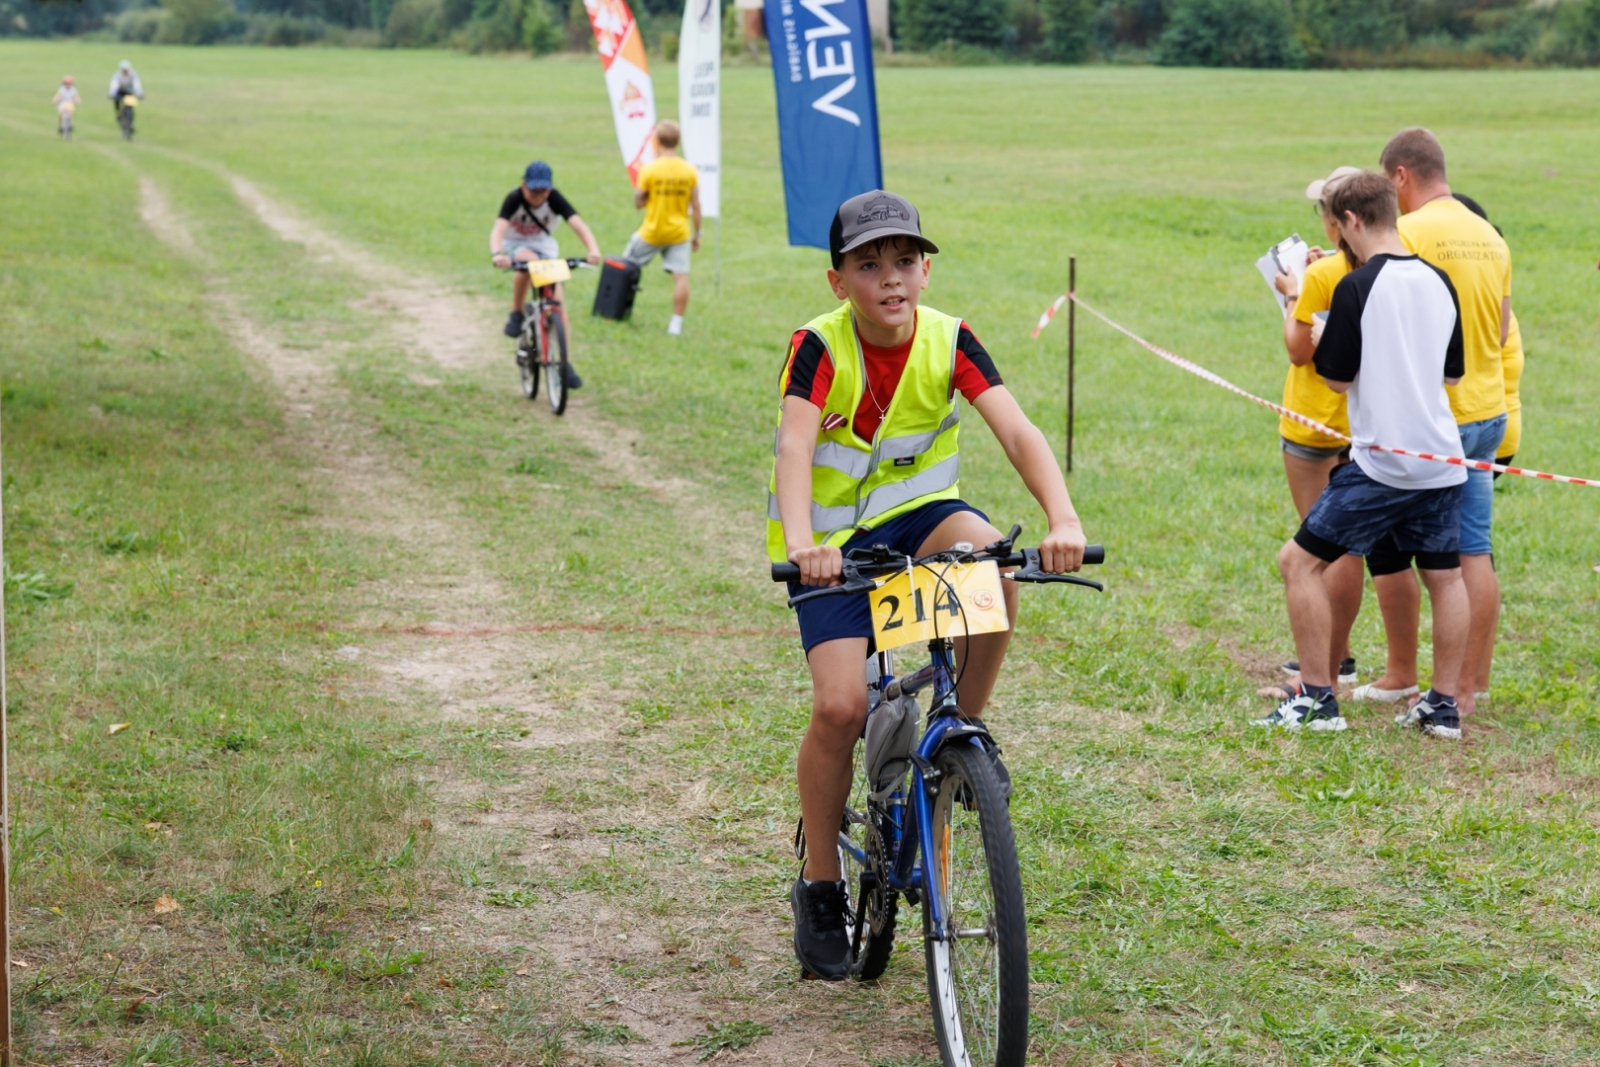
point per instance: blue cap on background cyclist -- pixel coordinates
(537, 176)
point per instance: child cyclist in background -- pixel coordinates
(66, 101)
(867, 454)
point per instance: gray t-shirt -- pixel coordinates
(1394, 329)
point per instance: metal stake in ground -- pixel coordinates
(1072, 348)
(5, 840)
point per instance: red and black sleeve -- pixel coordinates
(975, 371)
(809, 373)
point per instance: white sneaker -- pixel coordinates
(1387, 696)
(675, 326)
(1305, 712)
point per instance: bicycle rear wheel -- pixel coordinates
(977, 976)
(554, 355)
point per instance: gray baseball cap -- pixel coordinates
(874, 215)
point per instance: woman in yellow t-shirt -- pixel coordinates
(1309, 457)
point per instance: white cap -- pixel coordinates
(1316, 189)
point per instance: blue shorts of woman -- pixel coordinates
(830, 618)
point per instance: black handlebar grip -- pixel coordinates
(1094, 553)
(785, 572)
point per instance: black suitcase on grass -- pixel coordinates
(619, 281)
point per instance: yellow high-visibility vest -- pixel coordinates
(912, 459)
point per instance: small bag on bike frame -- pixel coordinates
(619, 281)
(891, 738)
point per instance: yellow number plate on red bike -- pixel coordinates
(942, 600)
(543, 272)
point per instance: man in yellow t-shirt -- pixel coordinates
(669, 192)
(1444, 232)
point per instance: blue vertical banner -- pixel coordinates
(827, 109)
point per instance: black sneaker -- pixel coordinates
(1305, 712)
(1347, 670)
(821, 935)
(1434, 720)
(514, 324)
(573, 381)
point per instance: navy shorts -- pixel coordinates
(1355, 514)
(831, 617)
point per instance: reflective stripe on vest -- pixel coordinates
(912, 460)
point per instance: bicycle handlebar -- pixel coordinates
(1027, 559)
(521, 265)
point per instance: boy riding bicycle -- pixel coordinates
(867, 454)
(525, 229)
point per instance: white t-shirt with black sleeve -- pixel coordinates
(1394, 329)
(532, 226)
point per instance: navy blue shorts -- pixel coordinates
(831, 617)
(1355, 514)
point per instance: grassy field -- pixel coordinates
(463, 735)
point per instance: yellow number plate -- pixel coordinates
(543, 272)
(946, 600)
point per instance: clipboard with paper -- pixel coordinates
(1288, 256)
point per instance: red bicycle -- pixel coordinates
(543, 343)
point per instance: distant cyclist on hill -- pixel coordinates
(125, 82)
(525, 229)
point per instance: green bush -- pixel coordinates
(929, 24)
(414, 24)
(1373, 26)
(199, 22)
(284, 31)
(1068, 29)
(1575, 36)
(140, 25)
(1230, 33)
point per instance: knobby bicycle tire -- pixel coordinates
(978, 983)
(554, 353)
(528, 346)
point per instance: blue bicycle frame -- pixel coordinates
(905, 872)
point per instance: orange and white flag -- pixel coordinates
(633, 99)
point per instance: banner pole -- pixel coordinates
(716, 270)
(5, 838)
(1072, 348)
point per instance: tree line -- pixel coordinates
(1218, 33)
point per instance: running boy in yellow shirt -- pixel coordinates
(877, 377)
(669, 192)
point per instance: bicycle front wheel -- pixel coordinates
(555, 363)
(977, 972)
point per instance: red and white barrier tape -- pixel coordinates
(1050, 313)
(1195, 369)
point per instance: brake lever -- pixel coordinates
(853, 583)
(1032, 572)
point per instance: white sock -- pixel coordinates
(675, 325)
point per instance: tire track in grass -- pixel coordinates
(577, 933)
(458, 332)
(464, 679)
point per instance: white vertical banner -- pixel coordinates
(700, 97)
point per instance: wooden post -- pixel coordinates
(1072, 348)
(5, 837)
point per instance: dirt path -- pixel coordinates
(642, 971)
